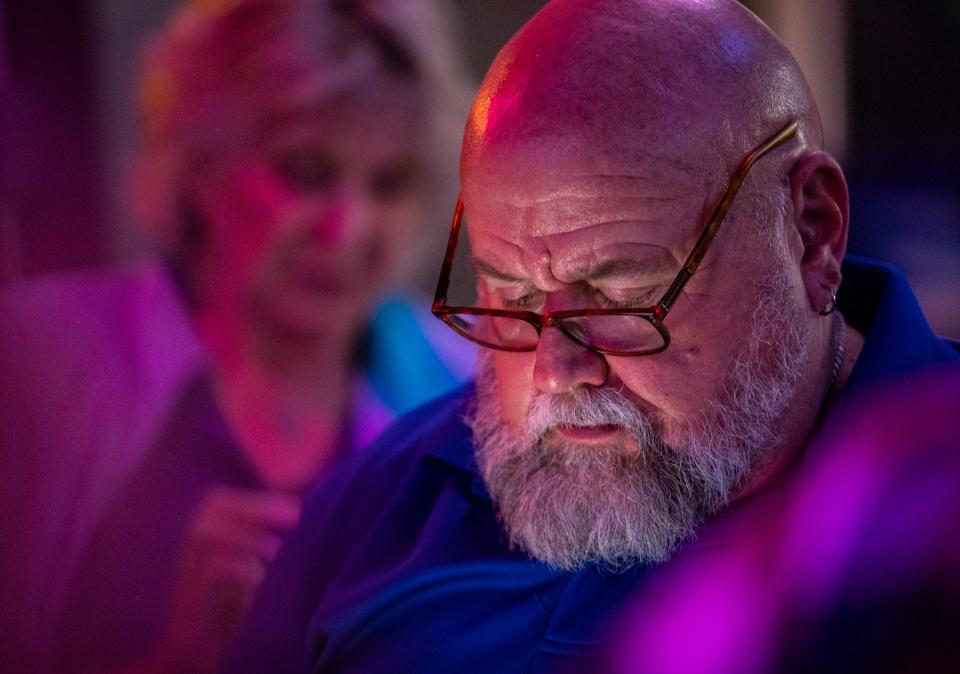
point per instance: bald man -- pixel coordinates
(657, 238)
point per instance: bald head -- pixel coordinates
(701, 80)
(595, 152)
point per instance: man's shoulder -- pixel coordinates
(436, 430)
(435, 434)
(877, 300)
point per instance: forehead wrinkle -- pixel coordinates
(515, 258)
(537, 175)
(664, 182)
(600, 235)
(624, 261)
(606, 218)
(527, 243)
(553, 191)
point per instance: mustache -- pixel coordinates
(588, 406)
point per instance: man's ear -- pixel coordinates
(821, 205)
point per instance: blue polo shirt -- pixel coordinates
(399, 564)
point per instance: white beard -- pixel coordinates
(568, 504)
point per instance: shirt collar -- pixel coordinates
(450, 443)
(877, 300)
(451, 440)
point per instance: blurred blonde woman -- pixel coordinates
(291, 150)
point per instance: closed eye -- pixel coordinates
(526, 302)
(635, 299)
(515, 295)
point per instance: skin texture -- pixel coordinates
(601, 137)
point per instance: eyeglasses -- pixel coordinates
(610, 331)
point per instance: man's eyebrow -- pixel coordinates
(623, 267)
(481, 268)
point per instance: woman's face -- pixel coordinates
(303, 226)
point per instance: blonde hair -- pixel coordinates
(220, 67)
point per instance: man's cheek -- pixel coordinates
(514, 375)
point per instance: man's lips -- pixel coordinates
(589, 433)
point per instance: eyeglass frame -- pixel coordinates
(655, 314)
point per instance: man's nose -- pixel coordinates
(562, 364)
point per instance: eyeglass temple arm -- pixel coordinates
(719, 213)
(443, 284)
